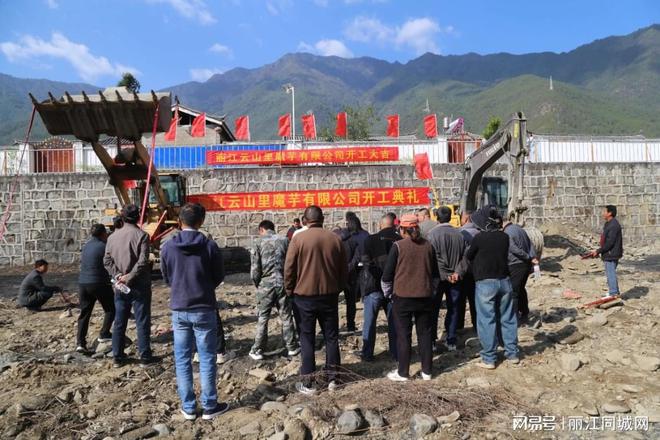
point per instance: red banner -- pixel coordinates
(299, 200)
(295, 157)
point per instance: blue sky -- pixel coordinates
(167, 42)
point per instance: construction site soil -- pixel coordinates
(576, 362)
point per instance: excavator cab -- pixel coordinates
(494, 191)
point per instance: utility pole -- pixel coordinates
(290, 90)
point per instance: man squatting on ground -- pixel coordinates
(267, 274)
(192, 266)
(33, 292)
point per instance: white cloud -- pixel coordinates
(88, 66)
(52, 4)
(327, 48)
(365, 30)
(276, 7)
(418, 34)
(192, 9)
(221, 49)
(202, 74)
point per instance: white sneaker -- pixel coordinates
(295, 352)
(257, 356)
(394, 376)
(226, 357)
(302, 389)
(102, 340)
(450, 347)
(188, 416)
(426, 376)
(332, 385)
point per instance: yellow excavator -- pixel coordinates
(125, 115)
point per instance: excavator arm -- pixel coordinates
(510, 141)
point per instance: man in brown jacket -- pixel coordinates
(315, 271)
(127, 261)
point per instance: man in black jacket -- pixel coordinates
(611, 248)
(376, 249)
(33, 292)
(94, 284)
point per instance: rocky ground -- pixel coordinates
(576, 363)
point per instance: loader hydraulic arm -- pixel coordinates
(509, 141)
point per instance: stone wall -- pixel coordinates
(52, 212)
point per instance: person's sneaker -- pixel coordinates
(609, 295)
(450, 347)
(362, 357)
(81, 349)
(118, 362)
(302, 389)
(188, 416)
(332, 385)
(147, 361)
(514, 361)
(196, 358)
(103, 340)
(256, 355)
(294, 352)
(426, 376)
(220, 408)
(225, 357)
(394, 376)
(486, 365)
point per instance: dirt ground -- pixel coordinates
(577, 363)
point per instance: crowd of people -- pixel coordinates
(405, 269)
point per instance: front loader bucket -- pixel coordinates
(112, 112)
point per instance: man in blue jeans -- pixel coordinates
(192, 266)
(375, 251)
(488, 257)
(449, 246)
(127, 261)
(611, 248)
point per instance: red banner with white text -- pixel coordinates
(296, 157)
(298, 200)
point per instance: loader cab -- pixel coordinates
(494, 191)
(174, 186)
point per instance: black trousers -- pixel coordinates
(89, 294)
(325, 310)
(468, 288)
(405, 311)
(37, 299)
(519, 275)
(352, 294)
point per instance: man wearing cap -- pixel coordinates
(127, 261)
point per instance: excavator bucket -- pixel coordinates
(113, 112)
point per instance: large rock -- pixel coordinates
(598, 320)
(647, 363)
(570, 362)
(261, 374)
(270, 407)
(296, 430)
(162, 429)
(251, 430)
(279, 436)
(615, 407)
(616, 357)
(103, 347)
(140, 433)
(449, 418)
(374, 419)
(421, 425)
(350, 422)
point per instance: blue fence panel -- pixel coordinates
(194, 156)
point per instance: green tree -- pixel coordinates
(360, 122)
(130, 82)
(492, 126)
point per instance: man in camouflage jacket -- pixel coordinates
(267, 273)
